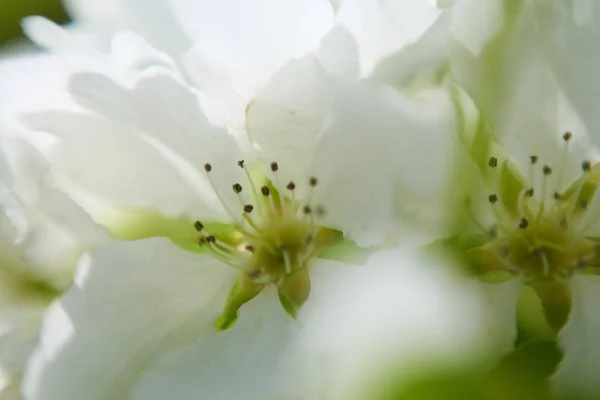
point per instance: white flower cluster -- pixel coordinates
(301, 199)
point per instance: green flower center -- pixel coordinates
(275, 237)
(543, 237)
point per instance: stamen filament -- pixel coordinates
(252, 187)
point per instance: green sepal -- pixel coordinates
(344, 250)
(242, 291)
(294, 291)
(556, 302)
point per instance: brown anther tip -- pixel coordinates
(240, 163)
(307, 210)
(313, 181)
(493, 198)
(211, 239)
(529, 192)
(493, 162)
(534, 159)
(274, 167)
(202, 241)
(567, 136)
(265, 191)
(547, 170)
(291, 186)
(557, 196)
(586, 166)
(207, 167)
(524, 223)
(237, 188)
(198, 225)
(249, 248)
(248, 208)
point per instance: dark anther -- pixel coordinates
(207, 167)
(274, 166)
(237, 188)
(586, 166)
(211, 239)
(493, 198)
(249, 248)
(494, 233)
(248, 208)
(202, 241)
(313, 181)
(307, 210)
(265, 191)
(241, 163)
(524, 223)
(567, 136)
(583, 204)
(556, 196)
(533, 159)
(198, 225)
(529, 192)
(493, 162)
(547, 170)
(291, 186)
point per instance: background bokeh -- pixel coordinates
(12, 11)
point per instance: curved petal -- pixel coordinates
(361, 139)
(102, 18)
(236, 51)
(141, 141)
(132, 302)
(572, 49)
(47, 230)
(521, 95)
(402, 311)
(253, 360)
(576, 373)
(382, 27)
(372, 159)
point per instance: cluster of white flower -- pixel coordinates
(298, 199)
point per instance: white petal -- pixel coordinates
(339, 53)
(576, 373)
(476, 23)
(364, 141)
(401, 309)
(373, 159)
(236, 50)
(522, 97)
(572, 50)
(104, 17)
(252, 360)
(131, 304)
(141, 146)
(384, 26)
(500, 323)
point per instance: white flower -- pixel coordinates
(325, 153)
(42, 234)
(531, 68)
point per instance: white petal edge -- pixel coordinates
(131, 303)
